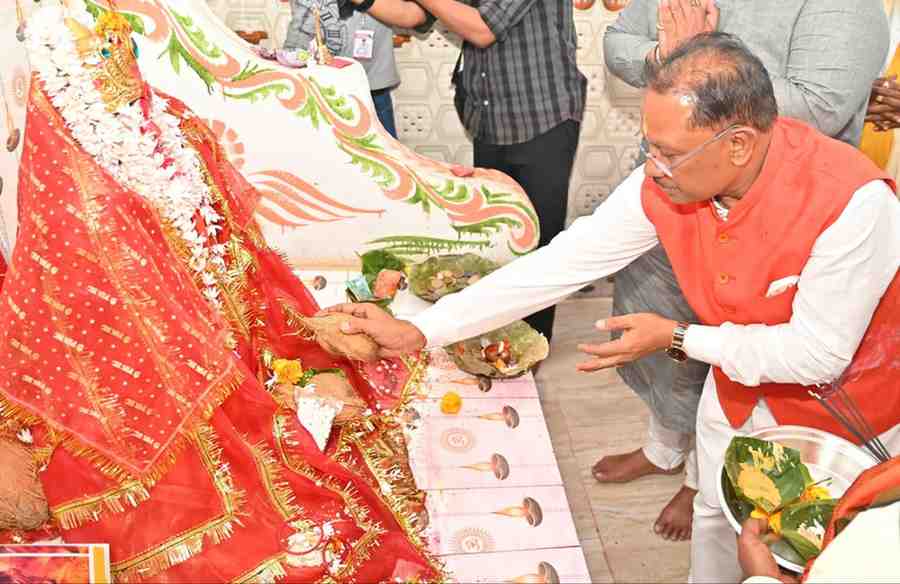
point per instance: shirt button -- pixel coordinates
(723, 238)
(483, 74)
(723, 278)
(486, 103)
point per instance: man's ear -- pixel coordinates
(742, 143)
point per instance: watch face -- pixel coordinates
(677, 355)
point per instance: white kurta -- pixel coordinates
(850, 267)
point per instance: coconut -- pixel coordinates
(336, 386)
(327, 332)
(22, 502)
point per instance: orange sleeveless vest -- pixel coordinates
(725, 268)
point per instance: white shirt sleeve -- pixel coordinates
(593, 247)
(851, 265)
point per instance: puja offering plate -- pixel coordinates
(829, 458)
(501, 354)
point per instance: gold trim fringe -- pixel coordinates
(190, 543)
(270, 472)
(169, 457)
(79, 512)
(270, 570)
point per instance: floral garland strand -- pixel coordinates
(148, 155)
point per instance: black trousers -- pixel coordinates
(543, 166)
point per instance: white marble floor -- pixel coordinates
(590, 415)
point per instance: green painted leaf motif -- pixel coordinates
(177, 53)
(197, 36)
(337, 104)
(492, 225)
(260, 93)
(367, 142)
(382, 175)
(310, 110)
(249, 70)
(508, 199)
(412, 246)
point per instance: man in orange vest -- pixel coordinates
(785, 242)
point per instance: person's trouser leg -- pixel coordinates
(543, 167)
(713, 543)
(666, 449)
(384, 109)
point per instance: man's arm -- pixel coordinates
(837, 49)
(851, 265)
(400, 13)
(591, 248)
(482, 26)
(628, 41)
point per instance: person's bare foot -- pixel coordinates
(622, 468)
(675, 520)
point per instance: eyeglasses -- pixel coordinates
(668, 168)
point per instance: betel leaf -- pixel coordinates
(803, 525)
(377, 260)
(765, 473)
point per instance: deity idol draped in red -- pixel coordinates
(141, 315)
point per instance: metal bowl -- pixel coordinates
(825, 455)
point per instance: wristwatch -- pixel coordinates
(676, 349)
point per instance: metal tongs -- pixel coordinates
(843, 408)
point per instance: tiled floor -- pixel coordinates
(590, 415)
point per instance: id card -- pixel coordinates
(363, 44)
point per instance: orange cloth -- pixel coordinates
(725, 268)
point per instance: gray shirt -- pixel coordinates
(822, 55)
(339, 33)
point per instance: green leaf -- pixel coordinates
(802, 519)
(376, 260)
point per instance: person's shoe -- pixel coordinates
(623, 468)
(677, 517)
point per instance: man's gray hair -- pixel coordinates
(724, 81)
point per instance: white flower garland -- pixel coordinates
(121, 143)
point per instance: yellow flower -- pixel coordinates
(773, 520)
(815, 493)
(287, 370)
(451, 403)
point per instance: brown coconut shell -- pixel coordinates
(23, 505)
(327, 332)
(336, 386)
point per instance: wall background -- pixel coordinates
(427, 122)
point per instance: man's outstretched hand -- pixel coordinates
(643, 334)
(394, 337)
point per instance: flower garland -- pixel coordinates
(147, 154)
